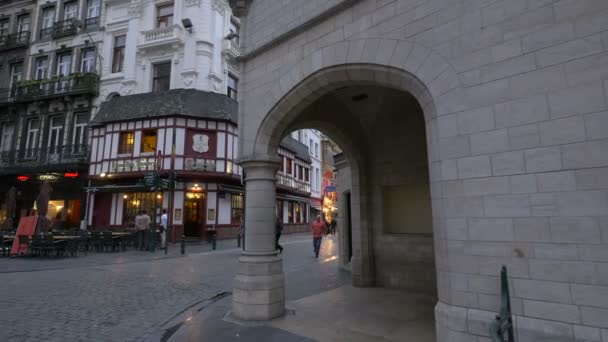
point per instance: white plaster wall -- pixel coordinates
(197, 58)
(211, 204)
(224, 210)
(178, 203)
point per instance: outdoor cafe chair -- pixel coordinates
(109, 241)
(84, 242)
(96, 241)
(54, 247)
(37, 247)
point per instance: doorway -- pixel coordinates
(194, 214)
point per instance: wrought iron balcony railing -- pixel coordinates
(292, 183)
(46, 33)
(231, 48)
(15, 40)
(91, 23)
(74, 84)
(42, 157)
(5, 96)
(64, 28)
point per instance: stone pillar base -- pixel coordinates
(259, 288)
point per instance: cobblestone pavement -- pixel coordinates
(130, 296)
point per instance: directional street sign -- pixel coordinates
(164, 183)
(150, 179)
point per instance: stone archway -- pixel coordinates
(408, 68)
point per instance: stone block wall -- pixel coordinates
(517, 142)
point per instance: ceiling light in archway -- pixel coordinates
(360, 97)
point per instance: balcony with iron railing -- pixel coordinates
(64, 28)
(231, 48)
(161, 36)
(45, 33)
(5, 96)
(15, 40)
(68, 155)
(91, 24)
(73, 84)
(292, 183)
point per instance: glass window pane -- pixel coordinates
(148, 141)
(120, 41)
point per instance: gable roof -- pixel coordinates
(187, 102)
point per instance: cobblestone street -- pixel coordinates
(129, 296)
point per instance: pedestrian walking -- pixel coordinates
(318, 228)
(164, 224)
(278, 231)
(332, 226)
(142, 225)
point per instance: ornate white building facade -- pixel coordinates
(161, 45)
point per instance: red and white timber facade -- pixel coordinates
(197, 150)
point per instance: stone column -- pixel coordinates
(259, 287)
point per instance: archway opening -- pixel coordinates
(385, 225)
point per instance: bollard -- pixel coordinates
(183, 245)
(152, 242)
(238, 241)
(213, 240)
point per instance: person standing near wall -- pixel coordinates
(332, 226)
(142, 223)
(278, 232)
(164, 223)
(318, 228)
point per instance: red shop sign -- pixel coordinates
(23, 178)
(70, 175)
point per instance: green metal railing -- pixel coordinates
(73, 84)
(502, 327)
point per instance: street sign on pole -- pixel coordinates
(150, 179)
(164, 184)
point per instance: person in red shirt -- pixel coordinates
(318, 228)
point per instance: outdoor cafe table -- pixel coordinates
(65, 237)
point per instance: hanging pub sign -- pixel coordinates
(201, 144)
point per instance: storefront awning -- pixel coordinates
(232, 189)
(294, 198)
(117, 188)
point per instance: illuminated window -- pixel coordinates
(137, 201)
(279, 212)
(237, 208)
(126, 142)
(290, 212)
(288, 168)
(298, 212)
(148, 141)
